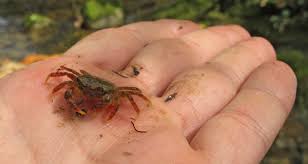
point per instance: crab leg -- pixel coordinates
(68, 96)
(85, 72)
(61, 85)
(141, 96)
(115, 107)
(62, 67)
(113, 112)
(58, 74)
(132, 101)
(129, 89)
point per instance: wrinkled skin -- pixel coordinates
(232, 98)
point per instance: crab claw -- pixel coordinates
(81, 112)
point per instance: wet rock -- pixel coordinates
(3, 22)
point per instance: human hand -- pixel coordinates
(227, 97)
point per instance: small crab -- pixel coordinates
(83, 86)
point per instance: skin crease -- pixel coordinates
(232, 98)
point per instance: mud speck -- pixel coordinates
(126, 153)
(136, 70)
(171, 97)
(60, 125)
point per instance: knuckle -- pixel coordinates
(259, 48)
(175, 22)
(170, 49)
(288, 71)
(217, 31)
(226, 71)
(247, 124)
(172, 44)
(137, 25)
(240, 30)
(135, 35)
(284, 79)
(99, 34)
(265, 45)
(175, 28)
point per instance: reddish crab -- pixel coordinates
(84, 86)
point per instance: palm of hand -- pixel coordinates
(53, 137)
(225, 111)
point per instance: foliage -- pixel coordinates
(299, 63)
(99, 14)
(37, 21)
(276, 14)
(94, 9)
(184, 9)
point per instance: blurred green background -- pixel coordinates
(52, 26)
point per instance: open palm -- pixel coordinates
(218, 96)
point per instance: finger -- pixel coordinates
(203, 91)
(246, 128)
(157, 64)
(112, 48)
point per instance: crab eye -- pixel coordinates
(107, 98)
